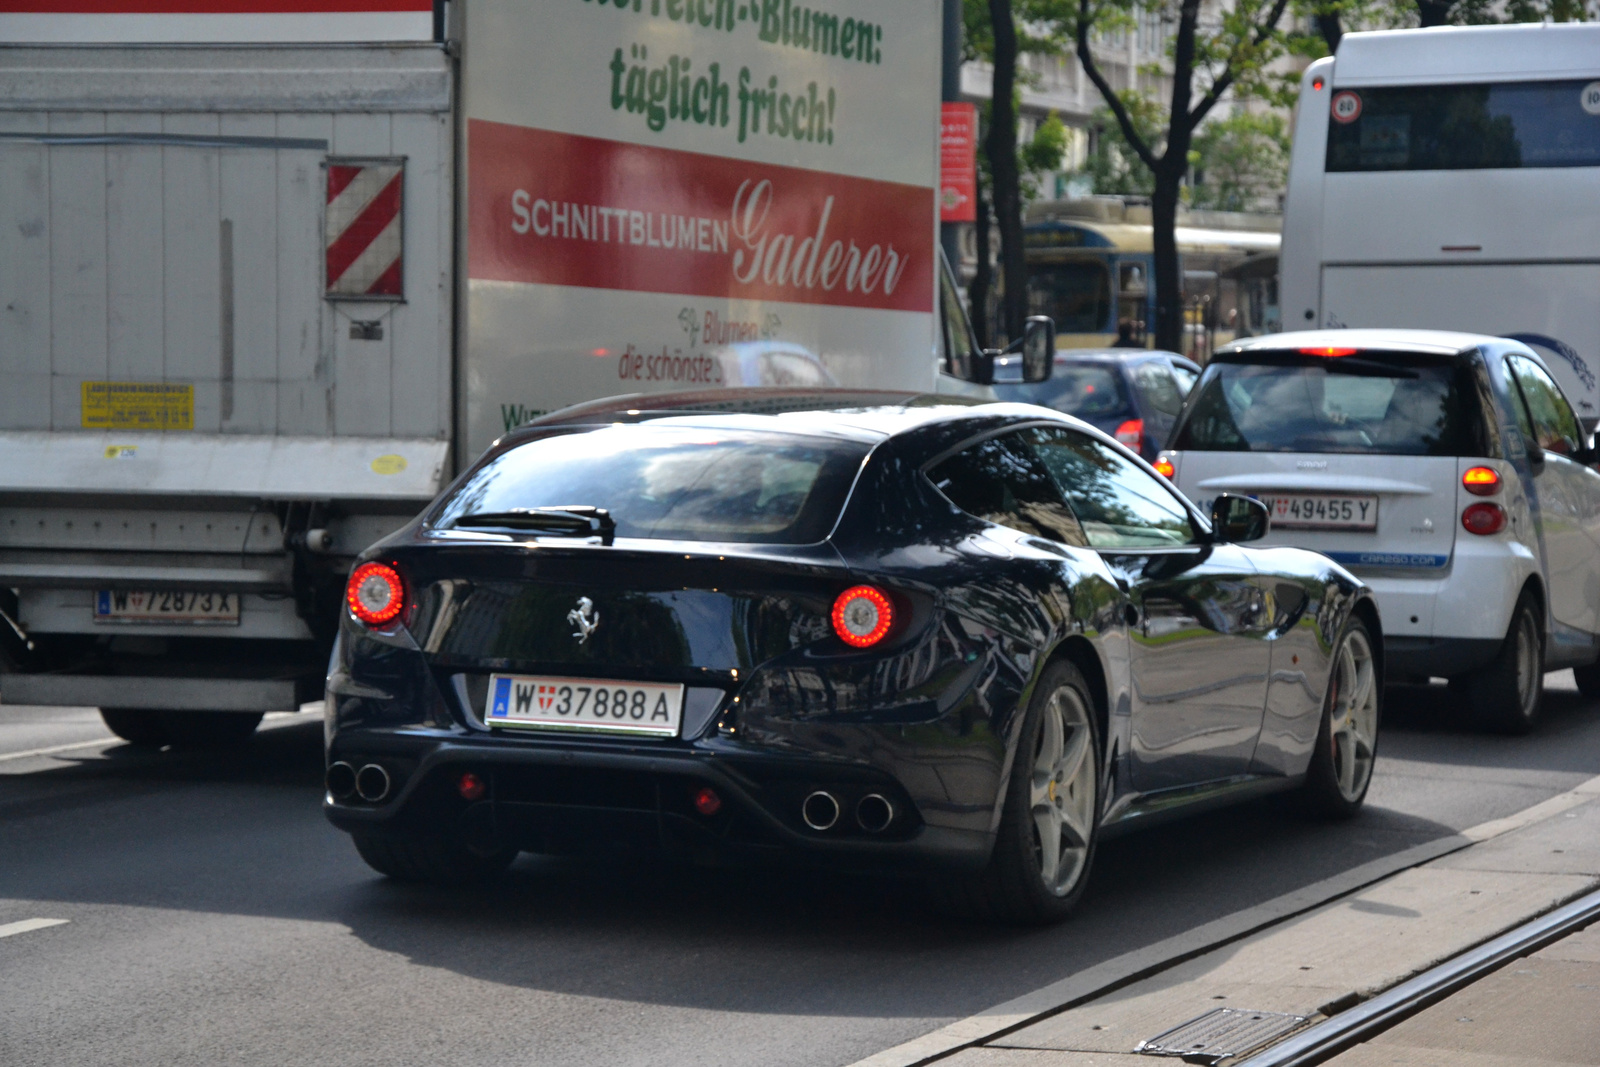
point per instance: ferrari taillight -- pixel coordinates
(375, 594)
(862, 616)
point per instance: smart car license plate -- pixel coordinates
(166, 606)
(1321, 511)
(541, 702)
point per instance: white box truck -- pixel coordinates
(1445, 179)
(268, 279)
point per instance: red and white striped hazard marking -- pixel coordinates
(364, 236)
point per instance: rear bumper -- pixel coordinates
(546, 796)
(1436, 657)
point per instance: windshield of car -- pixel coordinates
(675, 483)
(1089, 391)
(1373, 402)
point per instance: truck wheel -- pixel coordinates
(136, 726)
(1588, 679)
(209, 729)
(430, 859)
(1045, 843)
(1506, 695)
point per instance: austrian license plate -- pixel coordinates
(540, 702)
(1320, 511)
(166, 606)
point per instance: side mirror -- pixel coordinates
(1237, 519)
(1038, 346)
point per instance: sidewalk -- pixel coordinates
(1541, 1010)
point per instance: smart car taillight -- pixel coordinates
(1481, 481)
(1165, 468)
(1483, 519)
(1329, 351)
(1131, 433)
(376, 594)
(862, 616)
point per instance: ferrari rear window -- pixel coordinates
(676, 483)
(1367, 402)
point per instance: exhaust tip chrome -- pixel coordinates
(340, 780)
(372, 783)
(874, 813)
(820, 810)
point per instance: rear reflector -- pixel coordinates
(1481, 481)
(375, 593)
(862, 616)
(471, 787)
(1483, 519)
(706, 801)
(1131, 433)
(1329, 351)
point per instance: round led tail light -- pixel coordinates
(1481, 481)
(862, 616)
(1165, 468)
(1483, 519)
(471, 786)
(706, 801)
(375, 594)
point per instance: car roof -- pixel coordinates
(1435, 342)
(868, 416)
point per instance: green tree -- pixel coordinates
(1229, 54)
(1239, 163)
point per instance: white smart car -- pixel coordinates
(1445, 469)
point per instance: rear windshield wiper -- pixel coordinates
(567, 520)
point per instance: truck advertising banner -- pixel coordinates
(696, 194)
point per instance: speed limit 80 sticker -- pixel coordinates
(1346, 106)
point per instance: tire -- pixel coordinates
(432, 860)
(136, 726)
(1053, 793)
(1506, 697)
(1588, 679)
(209, 729)
(1342, 760)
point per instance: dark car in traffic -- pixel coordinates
(1132, 394)
(889, 632)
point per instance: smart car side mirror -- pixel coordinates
(1236, 519)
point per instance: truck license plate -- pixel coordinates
(542, 702)
(1320, 511)
(166, 606)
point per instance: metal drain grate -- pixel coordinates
(1220, 1033)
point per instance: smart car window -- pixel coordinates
(1001, 481)
(1118, 503)
(1379, 403)
(677, 483)
(1555, 426)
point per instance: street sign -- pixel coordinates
(958, 163)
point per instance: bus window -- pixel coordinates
(1465, 127)
(1076, 295)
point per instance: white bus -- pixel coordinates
(1450, 179)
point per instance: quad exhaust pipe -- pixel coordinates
(371, 783)
(820, 810)
(874, 813)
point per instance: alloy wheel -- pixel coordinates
(1064, 790)
(1353, 715)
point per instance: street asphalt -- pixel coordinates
(215, 917)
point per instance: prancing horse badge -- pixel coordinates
(585, 618)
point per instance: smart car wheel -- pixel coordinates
(1506, 695)
(137, 726)
(1046, 840)
(427, 858)
(1347, 743)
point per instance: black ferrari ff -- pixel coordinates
(861, 630)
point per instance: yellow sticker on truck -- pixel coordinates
(138, 406)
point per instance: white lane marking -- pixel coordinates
(53, 749)
(29, 925)
(1119, 971)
